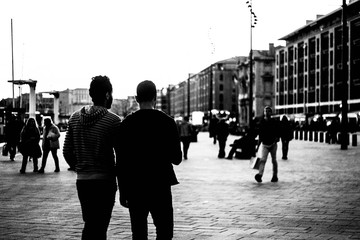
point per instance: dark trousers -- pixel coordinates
(186, 144)
(285, 148)
(12, 149)
(222, 144)
(97, 198)
(45, 156)
(25, 160)
(159, 204)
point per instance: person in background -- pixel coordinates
(89, 146)
(50, 142)
(268, 138)
(29, 144)
(145, 169)
(185, 131)
(12, 135)
(222, 133)
(212, 127)
(247, 144)
(286, 135)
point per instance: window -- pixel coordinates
(331, 58)
(331, 75)
(221, 78)
(317, 45)
(331, 39)
(221, 87)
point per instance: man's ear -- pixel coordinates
(107, 95)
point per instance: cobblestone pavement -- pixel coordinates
(317, 197)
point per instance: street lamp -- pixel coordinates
(344, 109)
(253, 22)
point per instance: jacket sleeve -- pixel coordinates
(68, 149)
(175, 145)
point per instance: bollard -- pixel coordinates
(305, 135)
(301, 135)
(322, 136)
(316, 136)
(327, 137)
(354, 140)
(296, 134)
(310, 135)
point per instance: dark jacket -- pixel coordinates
(150, 142)
(222, 130)
(269, 131)
(286, 130)
(29, 142)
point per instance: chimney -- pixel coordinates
(319, 16)
(271, 49)
(308, 21)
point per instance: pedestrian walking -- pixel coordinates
(29, 144)
(89, 147)
(12, 135)
(212, 127)
(145, 169)
(286, 135)
(268, 138)
(222, 133)
(185, 131)
(50, 143)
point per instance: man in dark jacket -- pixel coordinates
(269, 135)
(151, 146)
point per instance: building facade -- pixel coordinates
(212, 88)
(263, 84)
(309, 68)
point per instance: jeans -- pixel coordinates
(97, 198)
(266, 149)
(45, 156)
(157, 202)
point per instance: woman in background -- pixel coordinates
(29, 144)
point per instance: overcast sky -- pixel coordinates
(62, 44)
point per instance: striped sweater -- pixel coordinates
(90, 143)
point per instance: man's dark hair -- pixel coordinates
(99, 86)
(146, 91)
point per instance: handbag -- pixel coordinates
(5, 150)
(255, 162)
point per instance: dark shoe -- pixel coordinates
(35, 170)
(41, 170)
(284, 158)
(274, 179)
(22, 171)
(258, 177)
(57, 170)
(229, 158)
(71, 169)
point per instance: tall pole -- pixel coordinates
(188, 96)
(12, 65)
(344, 109)
(253, 21)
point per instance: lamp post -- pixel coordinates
(253, 21)
(344, 109)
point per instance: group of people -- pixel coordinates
(135, 155)
(27, 138)
(269, 130)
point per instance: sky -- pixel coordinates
(63, 44)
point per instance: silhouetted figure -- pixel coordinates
(286, 134)
(51, 143)
(29, 144)
(185, 132)
(247, 144)
(222, 132)
(151, 146)
(212, 127)
(333, 130)
(89, 147)
(12, 135)
(268, 138)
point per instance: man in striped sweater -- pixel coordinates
(89, 149)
